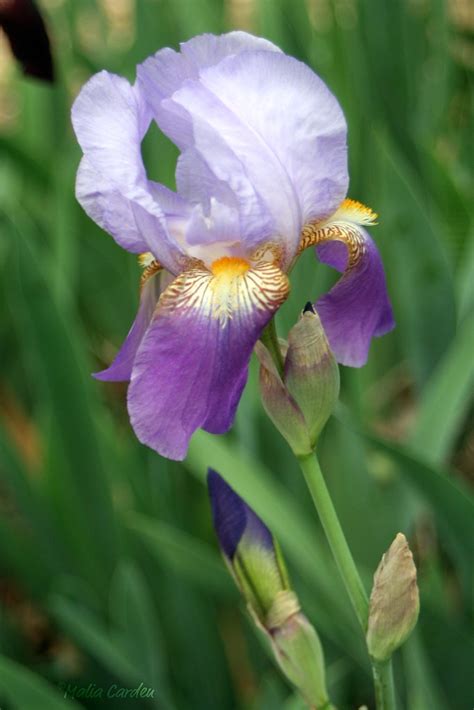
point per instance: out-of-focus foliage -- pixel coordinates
(109, 570)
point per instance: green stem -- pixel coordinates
(384, 687)
(337, 541)
(269, 338)
(382, 672)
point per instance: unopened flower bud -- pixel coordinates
(255, 561)
(311, 372)
(301, 400)
(280, 406)
(394, 602)
(249, 549)
(299, 653)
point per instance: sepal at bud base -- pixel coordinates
(300, 401)
(394, 601)
(299, 653)
(255, 561)
(281, 406)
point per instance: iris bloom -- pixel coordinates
(262, 175)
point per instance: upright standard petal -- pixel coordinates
(295, 114)
(164, 73)
(228, 184)
(110, 118)
(284, 127)
(192, 364)
(207, 50)
(357, 308)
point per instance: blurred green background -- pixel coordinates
(109, 569)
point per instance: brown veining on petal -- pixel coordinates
(343, 226)
(227, 291)
(315, 234)
(151, 268)
(270, 251)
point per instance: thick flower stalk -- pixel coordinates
(255, 561)
(262, 175)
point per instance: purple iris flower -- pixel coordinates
(262, 175)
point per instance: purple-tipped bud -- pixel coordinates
(301, 400)
(233, 517)
(249, 548)
(256, 563)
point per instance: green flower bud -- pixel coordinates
(281, 406)
(299, 654)
(261, 575)
(300, 402)
(311, 372)
(394, 602)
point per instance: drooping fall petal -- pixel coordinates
(121, 368)
(357, 308)
(192, 363)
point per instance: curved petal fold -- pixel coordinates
(206, 50)
(106, 205)
(292, 111)
(110, 118)
(191, 366)
(357, 308)
(163, 73)
(279, 121)
(228, 184)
